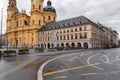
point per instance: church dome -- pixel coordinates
(49, 7)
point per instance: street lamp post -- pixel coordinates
(1, 24)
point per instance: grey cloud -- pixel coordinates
(105, 11)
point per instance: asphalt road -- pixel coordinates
(87, 65)
(21, 67)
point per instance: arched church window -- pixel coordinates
(25, 22)
(17, 23)
(33, 22)
(33, 6)
(39, 22)
(39, 7)
(43, 18)
(49, 17)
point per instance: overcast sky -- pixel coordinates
(106, 12)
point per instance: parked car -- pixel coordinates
(9, 53)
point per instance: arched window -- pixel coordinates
(39, 22)
(17, 23)
(25, 22)
(43, 18)
(85, 45)
(33, 6)
(49, 17)
(33, 22)
(39, 7)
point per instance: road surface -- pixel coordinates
(87, 65)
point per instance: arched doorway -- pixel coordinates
(52, 45)
(67, 45)
(38, 45)
(41, 45)
(48, 45)
(85, 45)
(62, 45)
(79, 45)
(73, 45)
(44, 45)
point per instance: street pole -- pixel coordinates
(1, 23)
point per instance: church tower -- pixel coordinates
(49, 13)
(12, 8)
(36, 12)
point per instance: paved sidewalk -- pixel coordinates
(58, 52)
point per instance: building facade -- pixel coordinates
(22, 30)
(41, 29)
(79, 32)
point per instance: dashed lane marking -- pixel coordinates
(69, 69)
(73, 58)
(60, 77)
(89, 74)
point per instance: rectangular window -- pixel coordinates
(60, 37)
(68, 37)
(57, 37)
(80, 35)
(71, 36)
(85, 28)
(76, 37)
(64, 37)
(80, 28)
(85, 35)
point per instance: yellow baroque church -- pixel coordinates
(22, 29)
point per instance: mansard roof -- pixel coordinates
(66, 23)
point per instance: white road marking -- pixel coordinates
(40, 75)
(82, 54)
(108, 60)
(88, 61)
(73, 58)
(117, 59)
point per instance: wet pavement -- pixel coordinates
(87, 65)
(21, 67)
